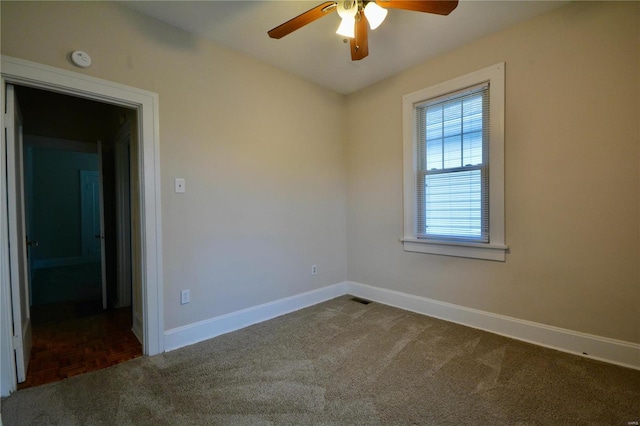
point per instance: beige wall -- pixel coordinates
(262, 152)
(268, 177)
(572, 181)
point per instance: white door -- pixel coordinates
(18, 269)
(28, 211)
(92, 221)
(123, 216)
(90, 215)
(103, 253)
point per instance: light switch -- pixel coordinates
(180, 186)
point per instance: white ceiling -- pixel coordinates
(317, 54)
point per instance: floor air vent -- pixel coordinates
(359, 300)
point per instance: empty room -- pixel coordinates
(353, 212)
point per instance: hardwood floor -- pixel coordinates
(68, 339)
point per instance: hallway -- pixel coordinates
(60, 284)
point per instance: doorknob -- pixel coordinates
(98, 236)
(32, 243)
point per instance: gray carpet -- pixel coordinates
(342, 362)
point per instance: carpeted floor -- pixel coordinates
(342, 362)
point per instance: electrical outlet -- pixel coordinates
(314, 269)
(185, 297)
(180, 186)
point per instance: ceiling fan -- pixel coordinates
(356, 14)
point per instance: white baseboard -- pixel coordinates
(193, 333)
(613, 351)
(137, 327)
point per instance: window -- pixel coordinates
(454, 167)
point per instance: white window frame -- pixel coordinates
(495, 249)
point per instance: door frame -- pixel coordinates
(26, 73)
(17, 241)
(123, 216)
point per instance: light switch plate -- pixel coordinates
(180, 186)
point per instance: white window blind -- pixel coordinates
(453, 166)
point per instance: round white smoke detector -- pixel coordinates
(81, 59)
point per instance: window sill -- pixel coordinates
(495, 252)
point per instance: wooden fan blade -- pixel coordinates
(360, 43)
(302, 19)
(439, 7)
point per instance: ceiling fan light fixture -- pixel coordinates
(347, 10)
(347, 27)
(354, 16)
(375, 14)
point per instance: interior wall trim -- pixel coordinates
(199, 331)
(619, 352)
(137, 328)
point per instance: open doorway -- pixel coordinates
(15, 324)
(77, 207)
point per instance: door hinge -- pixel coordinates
(17, 342)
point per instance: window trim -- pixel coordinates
(495, 249)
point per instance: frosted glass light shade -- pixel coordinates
(347, 27)
(375, 14)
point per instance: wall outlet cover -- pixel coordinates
(180, 186)
(185, 297)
